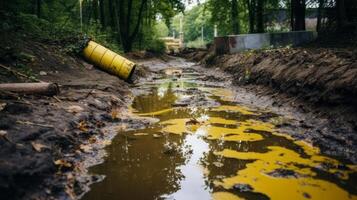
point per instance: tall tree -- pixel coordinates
(298, 8)
(260, 19)
(102, 13)
(38, 8)
(129, 26)
(319, 14)
(235, 17)
(251, 12)
(341, 13)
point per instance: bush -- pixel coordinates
(156, 46)
(197, 44)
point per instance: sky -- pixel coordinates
(192, 3)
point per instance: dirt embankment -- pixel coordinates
(43, 140)
(316, 82)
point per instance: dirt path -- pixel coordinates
(213, 140)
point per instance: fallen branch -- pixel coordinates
(34, 124)
(49, 89)
(19, 73)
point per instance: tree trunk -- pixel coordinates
(102, 13)
(260, 20)
(112, 13)
(298, 15)
(129, 28)
(251, 10)
(235, 17)
(95, 9)
(319, 15)
(341, 13)
(38, 8)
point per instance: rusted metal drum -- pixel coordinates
(109, 60)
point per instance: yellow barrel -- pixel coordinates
(109, 60)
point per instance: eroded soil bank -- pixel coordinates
(210, 140)
(320, 83)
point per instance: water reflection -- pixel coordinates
(219, 150)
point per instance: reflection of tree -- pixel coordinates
(143, 171)
(155, 101)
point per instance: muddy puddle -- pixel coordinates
(206, 146)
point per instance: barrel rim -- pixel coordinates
(131, 73)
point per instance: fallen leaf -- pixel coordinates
(2, 106)
(63, 163)
(74, 109)
(38, 146)
(70, 193)
(3, 133)
(92, 140)
(106, 142)
(141, 134)
(82, 126)
(85, 148)
(114, 113)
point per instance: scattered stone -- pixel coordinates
(286, 173)
(74, 109)
(218, 164)
(43, 73)
(156, 136)
(243, 187)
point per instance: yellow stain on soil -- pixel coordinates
(225, 196)
(301, 183)
(243, 132)
(241, 109)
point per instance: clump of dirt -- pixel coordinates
(43, 139)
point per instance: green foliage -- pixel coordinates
(161, 29)
(198, 43)
(155, 45)
(193, 21)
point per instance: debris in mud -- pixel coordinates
(243, 187)
(157, 136)
(38, 146)
(141, 134)
(170, 148)
(284, 173)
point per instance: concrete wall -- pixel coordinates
(237, 43)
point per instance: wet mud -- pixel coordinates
(206, 144)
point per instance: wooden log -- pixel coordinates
(48, 89)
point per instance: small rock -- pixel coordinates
(306, 195)
(243, 187)
(74, 109)
(156, 136)
(218, 164)
(43, 73)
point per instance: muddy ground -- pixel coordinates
(318, 85)
(44, 139)
(47, 143)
